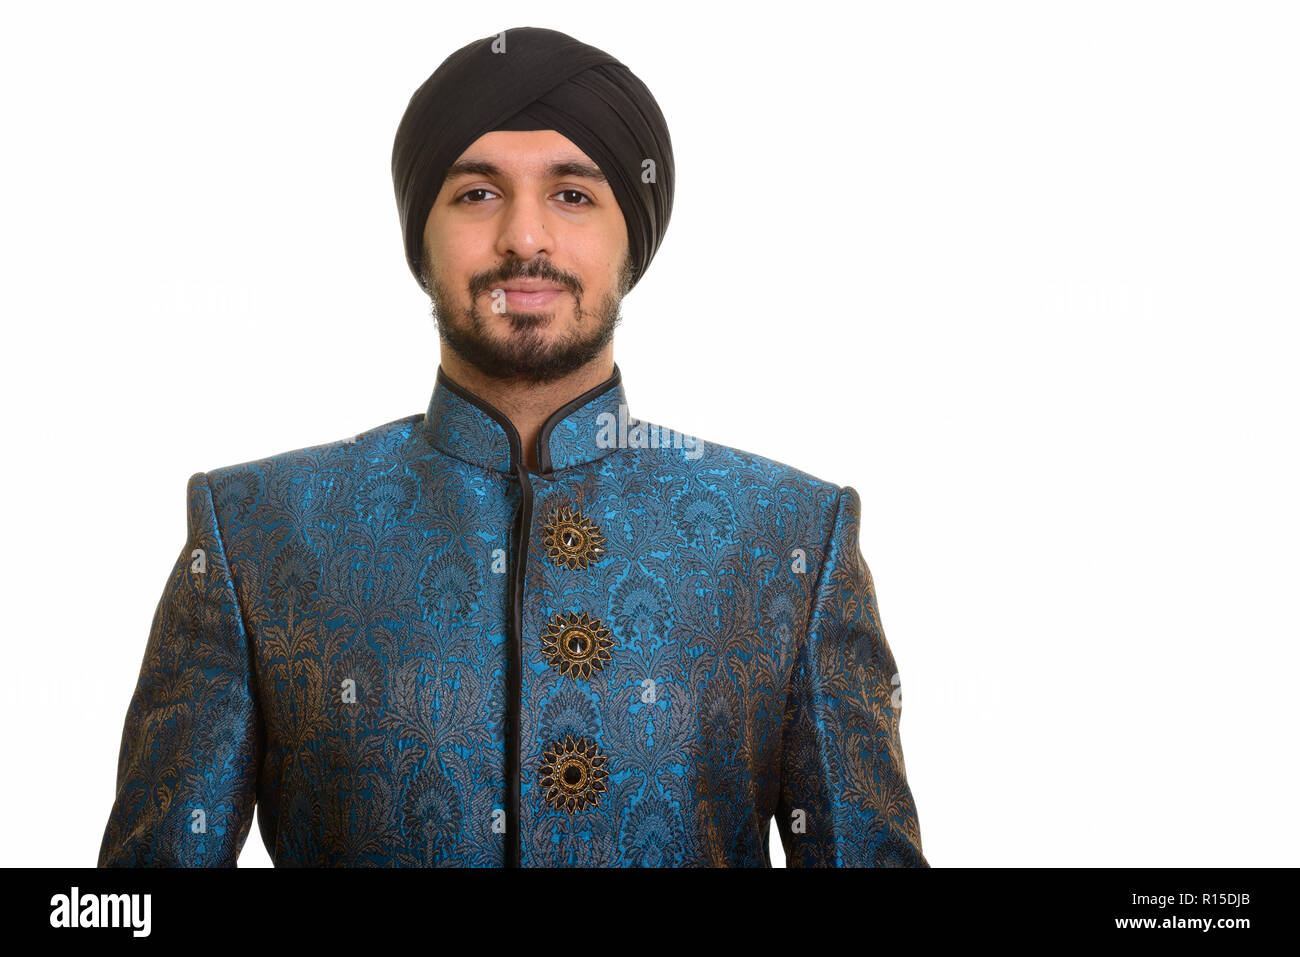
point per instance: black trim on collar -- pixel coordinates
(503, 420)
(560, 414)
(544, 465)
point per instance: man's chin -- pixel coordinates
(522, 346)
(514, 320)
(522, 357)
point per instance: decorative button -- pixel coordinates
(577, 644)
(571, 540)
(573, 774)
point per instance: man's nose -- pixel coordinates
(525, 230)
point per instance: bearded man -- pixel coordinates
(522, 628)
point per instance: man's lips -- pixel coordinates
(525, 295)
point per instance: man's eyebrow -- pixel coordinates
(572, 168)
(472, 167)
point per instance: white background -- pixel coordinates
(1023, 274)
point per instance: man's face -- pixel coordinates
(526, 256)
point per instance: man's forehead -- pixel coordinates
(502, 155)
(523, 152)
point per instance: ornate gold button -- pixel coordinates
(571, 540)
(577, 644)
(573, 774)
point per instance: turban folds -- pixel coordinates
(542, 80)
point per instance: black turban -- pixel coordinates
(544, 80)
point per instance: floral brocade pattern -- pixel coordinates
(332, 648)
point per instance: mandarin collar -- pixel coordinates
(469, 428)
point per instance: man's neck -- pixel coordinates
(528, 405)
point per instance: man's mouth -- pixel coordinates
(522, 294)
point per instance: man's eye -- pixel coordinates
(570, 197)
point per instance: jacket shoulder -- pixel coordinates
(755, 500)
(755, 490)
(379, 440)
(705, 458)
(237, 488)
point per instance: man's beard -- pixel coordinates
(526, 356)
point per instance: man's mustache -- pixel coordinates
(486, 281)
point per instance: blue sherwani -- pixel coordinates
(407, 649)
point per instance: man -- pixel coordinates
(523, 628)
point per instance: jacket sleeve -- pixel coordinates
(845, 800)
(191, 745)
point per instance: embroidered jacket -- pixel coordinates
(409, 650)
